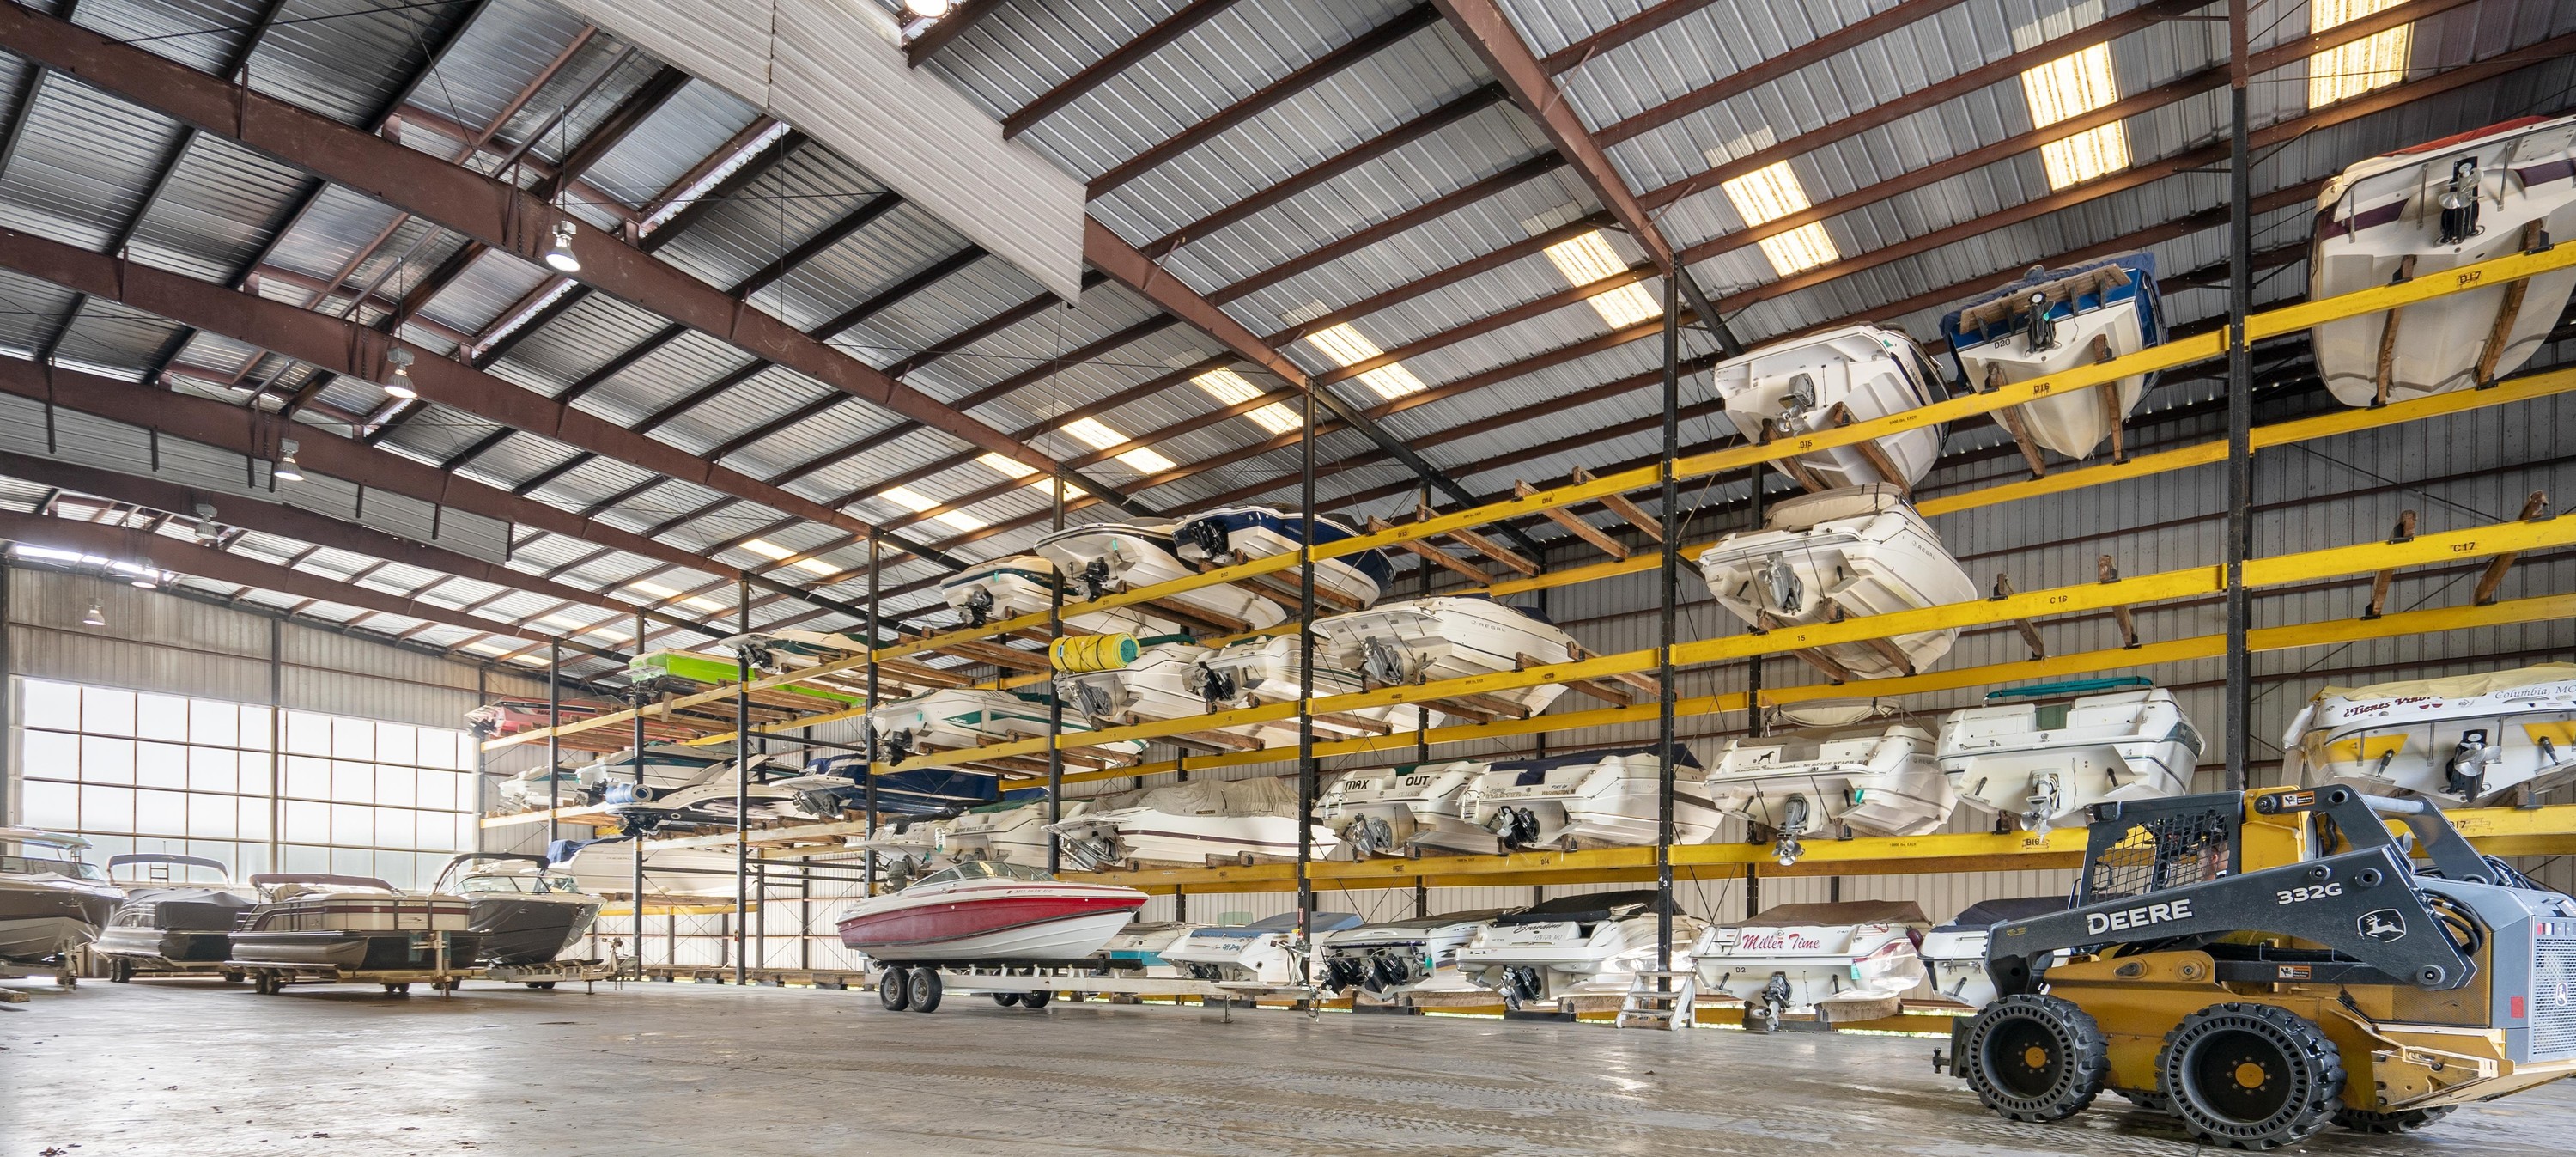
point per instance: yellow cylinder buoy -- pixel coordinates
(1083, 653)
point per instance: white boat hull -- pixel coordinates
(1444, 637)
(1955, 960)
(1548, 962)
(1263, 671)
(1871, 564)
(2119, 746)
(1105, 840)
(1795, 967)
(1792, 386)
(2465, 741)
(1333, 576)
(1603, 801)
(1877, 782)
(2381, 212)
(1011, 835)
(1107, 558)
(1383, 811)
(952, 718)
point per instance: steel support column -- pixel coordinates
(867, 727)
(1306, 699)
(636, 738)
(744, 751)
(2240, 404)
(1055, 703)
(554, 741)
(1667, 621)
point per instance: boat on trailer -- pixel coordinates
(1841, 554)
(1024, 584)
(170, 923)
(2459, 741)
(1263, 952)
(1194, 824)
(1591, 799)
(2054, 320)
(1238, 534)
(1871, 775)
(1397, 958)
(1955, 953)
(52, 903)
(1382, 811)
(1587, 945)
(1446, 637)
(319, 921)
(2420, 212)
(524, 910)
(1838, 377)
(1105, 558)
(2039, 755)
(988, 912)
(952, 718)
(1254, 672)
(1137, 949)
(1852, 960)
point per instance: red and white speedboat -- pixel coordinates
(989, 912)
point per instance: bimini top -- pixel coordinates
(1283, 922)
(1988, 913)
(1585, 909)
(2072, 687)
(1833, 915)
(1534, 771)
(42, 838)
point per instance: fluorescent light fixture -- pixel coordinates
(1770, 193)
(2071, 86)
(2349, 70)
(776, 553)
(919, 503)
(927, 9)
(559, 255)
(1588, 259)
(1349, 347)
(1233, 389)
(1100, 435)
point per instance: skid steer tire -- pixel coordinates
(2251, 1076)
(2035, 1058)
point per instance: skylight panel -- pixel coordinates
(1349, 347)
(2349, 70)
(1769, 193)
(1587, 259)
(1232, 389)
(1101, 435)
(2069, 87)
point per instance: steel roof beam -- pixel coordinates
(1305, 76)
(1093, 75)
(1653, 18)
(1431, 210)
(946, 28)
(494, 212)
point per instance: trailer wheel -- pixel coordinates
(894, 990)
(1035, 999)
(398, 989)
(1007, 999)
(2036, 1058)
(263, 984)
(541, 985)
(923, 987)
(2401, 1121)
(232, 978)
(2251, 1076)
(120, 970)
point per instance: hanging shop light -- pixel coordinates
(285, 468)
(559, 255)
(927, 9)
(94, 618)
(399, 385)
(208, 533)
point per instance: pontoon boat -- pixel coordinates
(2054, 320)
(307, 920)
(2459, 741)
(1847, 553)
(1856, 956)
(169, 922)
(2420, 212)
(2043, 753)
(988, 912)
(1809, 384)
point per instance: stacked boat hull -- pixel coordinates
(1835, 378)
(1843, 553)
(2462, 741)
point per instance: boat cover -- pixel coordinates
(1584, 909)
(1988, 913)
(1828, 915)
(2459, 686)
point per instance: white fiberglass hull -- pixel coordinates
(1792, 386)
(1262, 959)
(1070, 938)
(952, 718)
(1383, 811)
(1105, 558)
(1955, 960)
(1547, 962)
(1576, 802)
(1023, 585)
(1155, 686)
(1796, 968)
(2464, 741)
(1336, 580)
(1444, 637)
(1877, 783)
(1105, 840)
(1011, 835)
(1389, 962)
(1870, 565)
(1254, 672)
(2120, 746)
(2387, 211)
(2107, 309)
(609, 869)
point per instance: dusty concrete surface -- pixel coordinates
(183, 1067)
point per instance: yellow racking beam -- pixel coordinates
(2171, 354)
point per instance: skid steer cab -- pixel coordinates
(2265, 964)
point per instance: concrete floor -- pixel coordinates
(653, 1070)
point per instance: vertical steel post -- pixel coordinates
(1668, 581)
(636, 737)
(1422, 719)
(1055, 703)
(1306, 693)
(867, 727)
(8, 699)
(742, 756)
(1753, 665)
(554, 742)
(276, 745)
(2240, 405)
(482, 758)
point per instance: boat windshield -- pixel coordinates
(31, 866)
(522, 883)
(983, 870)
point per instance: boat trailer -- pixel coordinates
(920, 987)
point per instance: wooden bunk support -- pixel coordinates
(2405, 532)
(1477, 542)
(2388, 338)
(1884, 648)
(2113, 414)
(2029, 630)
(2128, 621)
(1840, 416)
(1433, 554)
(2534, 239)
(2010, 416)
(1617, 504)
(2534, 509)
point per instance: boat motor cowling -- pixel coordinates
(1095, 578)
(628, 793)
(2459, 200)
(1515, 827)
(2465, 773)
(979, 606)
(1215, 688)
(1386, 661)
(1210, 537)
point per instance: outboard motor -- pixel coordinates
(1089, 853)
(2459, 201)
(1095, 578)
(2042, 330)
(897, 746)
(629, 793)
(1387, 970)
(1384, 661)
(1801, 396)
(1342, 972)
(1793, 823)
(1774, 998)
(1516, 827)
(1209, 535)
(1093, 700)
(979, 607)
(2465, 773)
(1369, 836)
(1780, 584)
(757, 656)
(1520, 984)
(1216, 688)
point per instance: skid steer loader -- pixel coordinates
(2261, 965)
